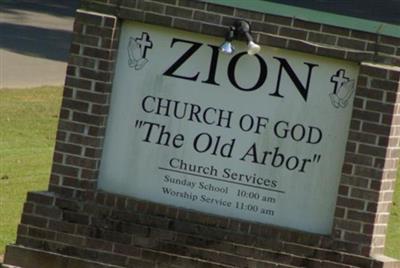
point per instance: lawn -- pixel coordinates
(28, 120)
(393, 234)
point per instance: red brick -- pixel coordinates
(355, 124)
(89, 119)
(41, 233)
(78, 83)
(371, 93)
(351, 43)
(78, 27)
(60, 136)
(98, 31)
(71, 182)
(97, 131)
(355, 181)
(65, 114)
(85, 40)
(62, 226)
(362, 137)
(92, 153)
(372, 150)
(368, 172)
(75, 105)
(263, 27)
(294, 33)
(347, 225)
(358, 159)
(34, 220)
(100, 110)
(380, 48)
(363, 35)
(40, 198)
(74, 217)
(70, 239)
(103, 87)
(220, 9)
(152, 7)
(273, 41)
(340, 212)
(394, 75)
(361, 216)
(350, 203)
(301, 46)
(187, 25)
(331, 52)
(89, 174)
(307, 25)
(157, 19)
(359, 56)
(109, 22)
(347, 169)
(192, 4)
(322, 38)
(68, 92)
(365, 194)
(99, 244)
(82, 61)
(22, 230)
(48, 212)
(358, 261)
(85, 140)
(65, 170)
(75, 49)
(343, 190)
(127, 13)
(278, 19)
(81, 162)
(97, 53)
(207, 17)
(71, 126)
(28, 208)
(335, 30)
(54, 179)
(87, 18)
(385, 84)
(351, 147)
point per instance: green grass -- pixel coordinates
(28, 119)
(393, 234)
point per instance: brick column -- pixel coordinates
(85, 104)
(369, 172)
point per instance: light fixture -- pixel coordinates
(240, 27)
(227, 46)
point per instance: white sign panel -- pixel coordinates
(259, 138)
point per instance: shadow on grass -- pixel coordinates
(34, 41)
(64, 8)
(37, 41)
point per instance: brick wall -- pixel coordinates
(85, 104)
(277, 31)
(369, 172)
(75, 219)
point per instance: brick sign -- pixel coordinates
(260, 138)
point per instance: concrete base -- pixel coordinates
(18, 256)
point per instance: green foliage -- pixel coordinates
(28, 120)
